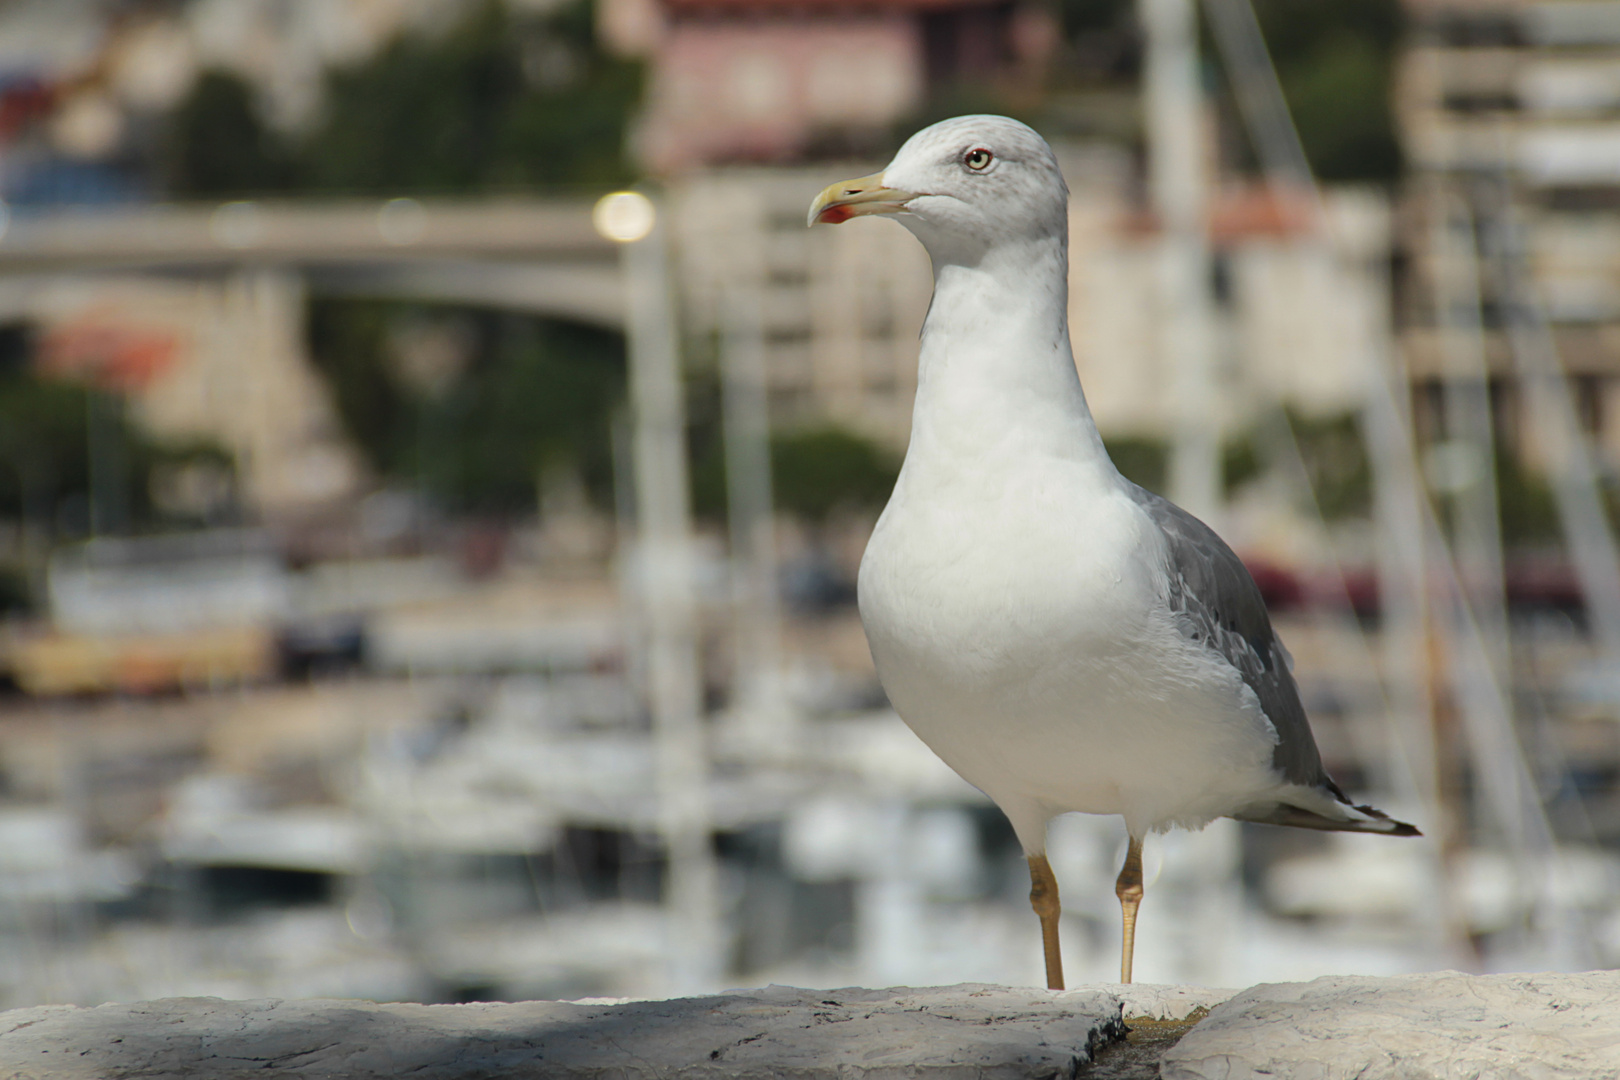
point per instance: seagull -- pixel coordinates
(1062, 638)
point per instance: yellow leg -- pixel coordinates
(1043, 897)
(1128, 887)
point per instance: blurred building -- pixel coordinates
(220, 354)
(100, 74)
(220, 360)
(83, 85)
(762, 80)
(1510, 116)
(196, 315)
(1298, 321)
(732, 85)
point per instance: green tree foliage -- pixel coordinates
(1141, 459)
(1335, 457)
(46, 447)
(1081, 17)
(540, 395)
(815, 472)
(1525, 504)
(494, 103)
(1331, 447)
(819, 470)
(217, 144)
(1145, 461)
(535, 394)
(497, 102)
(348, 341)
(1103, 44)
(1335, 62)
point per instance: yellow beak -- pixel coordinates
(854, 198)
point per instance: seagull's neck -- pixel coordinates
(996, 377)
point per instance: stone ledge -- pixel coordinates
(965, 1031)
(1443, 1025)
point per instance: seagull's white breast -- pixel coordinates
(1018, 622)
(997, 581)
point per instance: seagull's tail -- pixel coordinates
(1324, 809)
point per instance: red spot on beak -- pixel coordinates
(835, 215)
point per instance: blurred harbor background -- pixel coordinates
(421, 581)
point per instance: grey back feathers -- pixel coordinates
(1216, 602)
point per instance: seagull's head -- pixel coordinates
(966, 184)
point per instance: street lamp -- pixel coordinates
(664, 543)
(624, 216)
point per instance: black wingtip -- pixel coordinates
(1375, 822)
(1397, 828)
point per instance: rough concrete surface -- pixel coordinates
(1157, 1016)
(1161, 1001)
(982, 1032)
(1445, 1025)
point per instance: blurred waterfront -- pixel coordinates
(423, 582)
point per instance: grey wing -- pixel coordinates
(1216, 601)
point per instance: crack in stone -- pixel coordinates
(279, 1058)
(714, 1055)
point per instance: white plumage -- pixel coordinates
(1060, 637)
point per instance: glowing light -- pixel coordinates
(624, 216)
(401, 221)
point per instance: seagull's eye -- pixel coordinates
(978, 160)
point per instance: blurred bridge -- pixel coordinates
(197, 313)
(540, 257)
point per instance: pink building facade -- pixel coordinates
(774, 81)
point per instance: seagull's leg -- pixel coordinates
(1043, 897)
(1128, 887)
